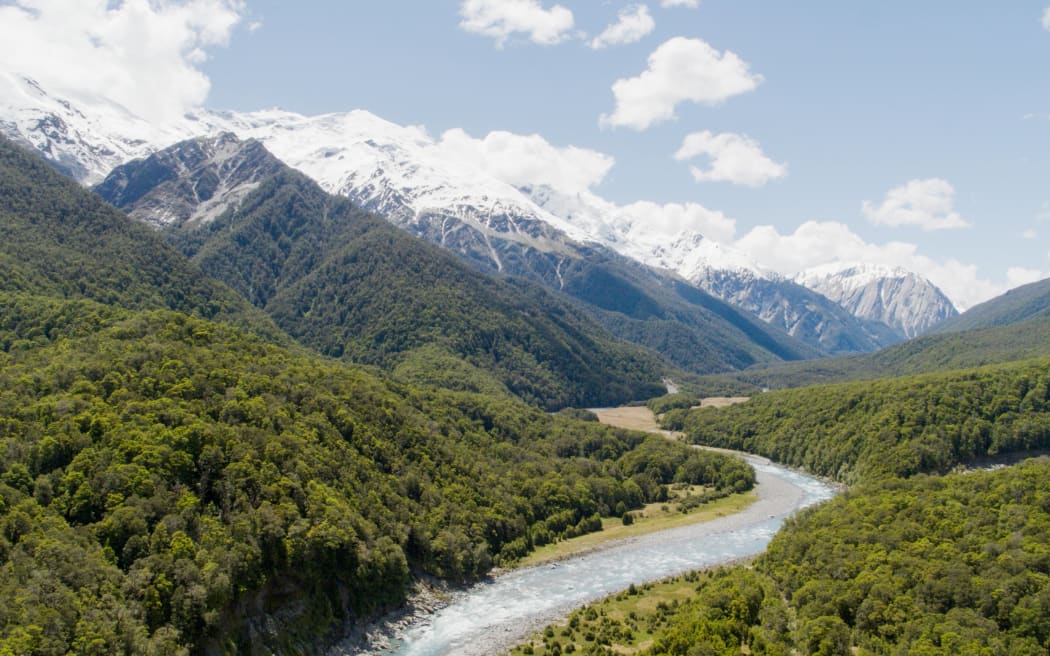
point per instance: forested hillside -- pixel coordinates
(927, 354)
(163, 478)
(351, 285)
(897, 426)
(61, 241)
(1017, 305)
(929, 566)
(177, 476)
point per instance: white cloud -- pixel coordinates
(644, 226)
(671, 219)
(927, 204)
(1030, 234)
(692, 4)
(680, 70)
(633, 23)
(1017, 276)
(733, 158)
(500, 19)
(814, 243)
(141, 54)
(1046, 19)
(528, 160)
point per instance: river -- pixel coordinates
(495, 615)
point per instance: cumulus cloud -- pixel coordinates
(733, 158)
(1046, 19)
(814, 243)
(633, 23)
(927, 204)
(528, 160)
(500, 19)
(142, 54)
(668, 220)
(1017, 276)
(692, 4)
(680, 70)
(1030, 234)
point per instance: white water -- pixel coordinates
(493, 616)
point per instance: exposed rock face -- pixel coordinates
(192, 182)
(803, 313)
(907, 302)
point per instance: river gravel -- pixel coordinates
(493, 616)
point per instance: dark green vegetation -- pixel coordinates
(680, 401)
(285, 251)
(351, 285)
(905, 562)
(162, 474)
(60, 241)
(889, 427)
(172, 484)
(930, 565)
(1017, 305)
(695, 330)
(926, 354)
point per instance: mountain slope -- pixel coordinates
(719, 270)
(351, 285)
(890, 427)
(405, 176)
(908, 303)
(1019, 304)
(62, 240)
(173, 485)
(927, 354)
(633, 302)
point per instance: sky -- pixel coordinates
(902, 133)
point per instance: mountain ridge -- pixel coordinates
(400, 173)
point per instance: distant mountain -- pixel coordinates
(721, 271)
(903, 300)
(351, 285)
(401, 174)
(933, 352)
(61, 240)
(1017, 305)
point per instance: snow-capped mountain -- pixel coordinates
(194, 181)
(720, 270)
(899, 298)
(84, 141)
(403, 174)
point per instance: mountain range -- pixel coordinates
(538, 233)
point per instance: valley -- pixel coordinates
(739, 348)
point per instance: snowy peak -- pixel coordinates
(191, 182)
(84, 141)
(903, 300)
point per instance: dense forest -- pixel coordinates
(897, 426)
(177, 475)
(61, 241)
(161, 474)
(929, 565)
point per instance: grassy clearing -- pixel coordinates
(624, 623)
(653, 517)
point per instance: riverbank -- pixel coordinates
(494, 616)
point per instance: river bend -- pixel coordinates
(495, 615)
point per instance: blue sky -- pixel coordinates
(898, 132)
